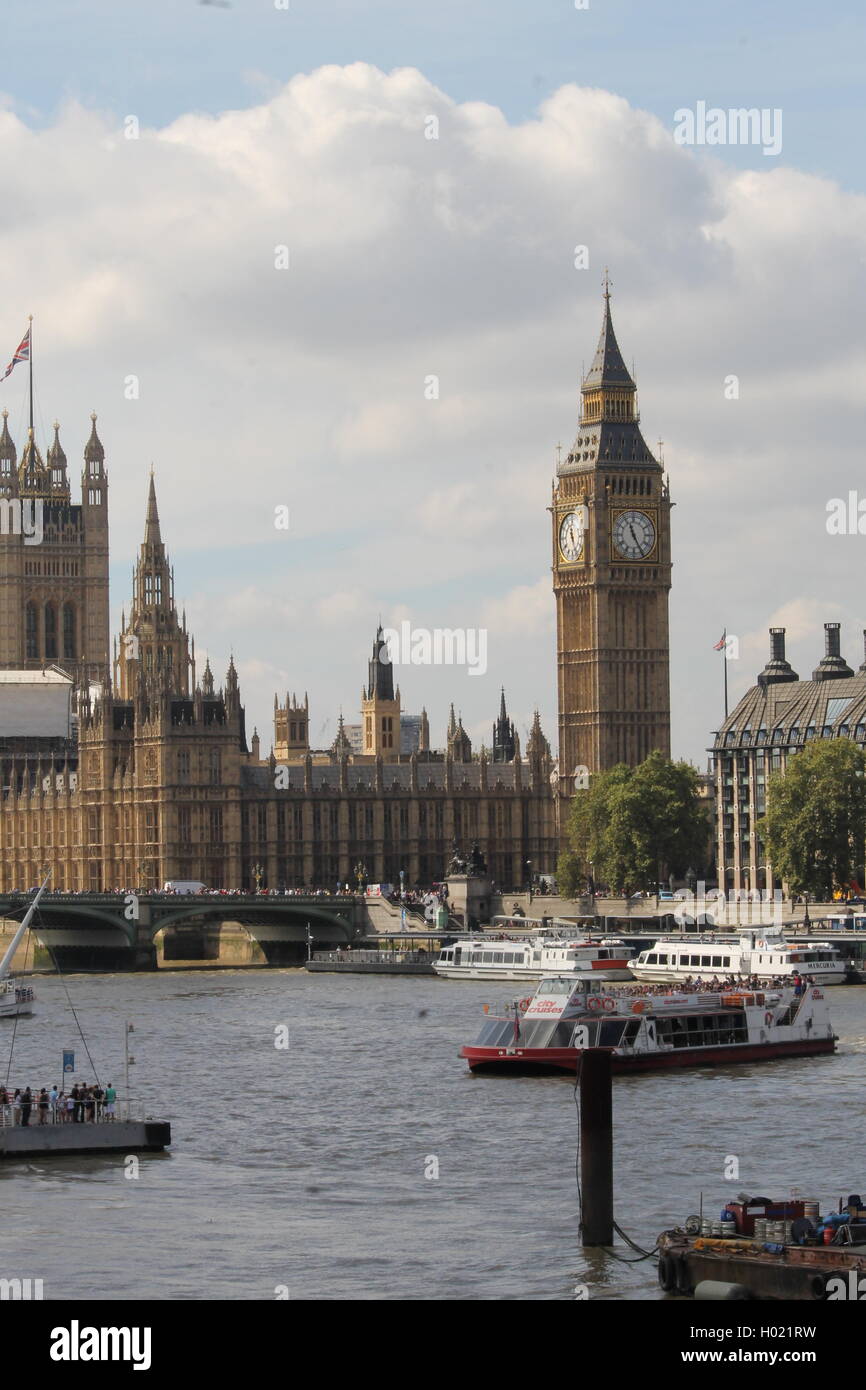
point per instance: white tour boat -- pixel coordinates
(767, 955)
(474, 958)
(16, 999)
(650, 1032)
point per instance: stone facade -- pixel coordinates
(611, 577)
(772, 722)
(159, 782)
(54, 592)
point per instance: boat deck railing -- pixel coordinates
(125, 1111)
(419, 957)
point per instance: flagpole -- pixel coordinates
(30, 319)
(725, 664)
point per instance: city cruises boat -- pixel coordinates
(650, 1032)
(766, 955)
(471, 958)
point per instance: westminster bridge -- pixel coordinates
(119, 931)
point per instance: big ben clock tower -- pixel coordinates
(611, 577)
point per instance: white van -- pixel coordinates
(183, 885)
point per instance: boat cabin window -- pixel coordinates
(663, 960)
(694, 960)
(608, 1032)
(497, 1032)
(703, 1030)
(717, 960)
(556, 986)
(652, 959)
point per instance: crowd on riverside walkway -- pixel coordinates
(81, 1105)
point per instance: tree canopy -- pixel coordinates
(632, 823)
(815, 827)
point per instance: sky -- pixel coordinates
(242, 248)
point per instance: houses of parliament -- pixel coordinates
(155, 777)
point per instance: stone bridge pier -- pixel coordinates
(117, 932)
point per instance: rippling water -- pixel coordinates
(306, 1167)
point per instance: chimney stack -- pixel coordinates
(777, 670)
(833, 666)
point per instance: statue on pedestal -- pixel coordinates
(458, 863)
(477, 864)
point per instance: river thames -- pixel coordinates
(364, 1162)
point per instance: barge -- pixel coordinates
(768, 1250)
(345, 962)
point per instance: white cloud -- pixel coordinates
(454, 257)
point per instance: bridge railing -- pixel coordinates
(110, 895)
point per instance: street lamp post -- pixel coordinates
(529, 878)
(258, 874)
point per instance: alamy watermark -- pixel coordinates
(22, 517)
(738, 126)
(443, 646)
(21, 1289)
(751, 906)
(846, 516)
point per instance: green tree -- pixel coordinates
(570, 875)
(632, 823)
(815, 827)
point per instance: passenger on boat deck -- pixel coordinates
(26, 1105)
(43, 1106)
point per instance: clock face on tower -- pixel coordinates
(571, 536)
(634, 535)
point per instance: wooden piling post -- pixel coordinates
(596, 1147)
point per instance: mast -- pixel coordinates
(6, 962)
(30, 319)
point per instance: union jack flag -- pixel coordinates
(22, 354)
(717, 646)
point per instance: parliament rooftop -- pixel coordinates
(775, 719)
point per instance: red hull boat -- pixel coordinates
(653, 1032)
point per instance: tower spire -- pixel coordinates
(152, 534)
(608, 367)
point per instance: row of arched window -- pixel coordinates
(49, 631)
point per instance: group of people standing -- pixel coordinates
(81, 1105)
